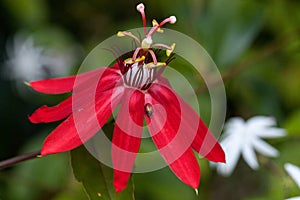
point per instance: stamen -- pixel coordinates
(162, 45)
(171, 20)
(153, 56)
(130, 61)
(151, 65)
(125, 33)
(155, 23)
(140, 59)
(141, 8)
(137, 50)
(169, 51)
(120, 34)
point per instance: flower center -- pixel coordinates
(138, 71)
(138, 76)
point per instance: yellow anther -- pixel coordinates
(140, 59)
(155, 23)
(169, 51)
(130, 61)
(120, 34)
(152, 65)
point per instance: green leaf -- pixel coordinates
(292, 124)
(239, 34)
(227, 29)
(97, 178)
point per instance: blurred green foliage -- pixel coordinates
(255, 44)
(96, 177)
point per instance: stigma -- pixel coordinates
(146, 45)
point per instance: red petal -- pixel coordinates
(83, 89)
(170, 136)
(206, 144)
(164, 81)
(101, 80)
(127, 136)
(204, 141)
(65, 84)
(50, 114)
(82, 124)
(54, 86)
(187, 169)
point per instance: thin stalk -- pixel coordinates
(12, 161)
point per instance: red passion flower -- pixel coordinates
(136, 85)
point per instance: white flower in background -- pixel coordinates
(294, 198)
(27, 62)
(294, 172)
(243, 138)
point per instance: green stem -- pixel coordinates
(11, 161)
